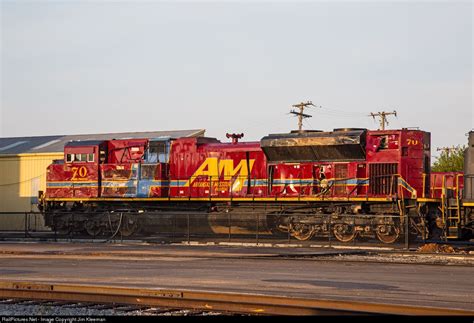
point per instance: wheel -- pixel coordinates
(387, 231)
(63, 228)
(129, 226)
(344, 232)
(92, 228)
(302, 232)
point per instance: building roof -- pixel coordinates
(55, 144)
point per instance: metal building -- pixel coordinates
(23, 163)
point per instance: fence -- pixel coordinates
(259, 227)
(22, 222)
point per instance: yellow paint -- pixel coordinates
(424, 200)
(79, 171)
(213, 167)
(412, 142)
(21, 177)
(259, 310)
(220, 199)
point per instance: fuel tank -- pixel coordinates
(220, 222)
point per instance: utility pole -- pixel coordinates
(301, 106)
(383, 117)
(447, 150)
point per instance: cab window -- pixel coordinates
(80, 157)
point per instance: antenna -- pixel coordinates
(383, 117)
(301, 115)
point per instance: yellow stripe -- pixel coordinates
(73, 188)
(85, 181)
(440, 187)
(468, 204)
(424, 200)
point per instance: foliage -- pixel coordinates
(450, 160)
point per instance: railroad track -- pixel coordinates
(9, 307)
(200, 302)
(206, 239)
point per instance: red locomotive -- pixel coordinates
(365, 181)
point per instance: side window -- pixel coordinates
(102, 156)
(90, 158)
(80, 157)
(69, 158)
(383, 143)
(387, 142)
(158, 152)
(152, 154)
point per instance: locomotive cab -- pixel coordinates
(136, 168)
(78, 175)
(154, 170)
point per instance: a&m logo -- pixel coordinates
(222, 173)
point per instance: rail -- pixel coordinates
(201, 300)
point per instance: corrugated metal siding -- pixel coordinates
(21, 177)
(9, 184)
(53, 144)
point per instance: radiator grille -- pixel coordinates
(381, 179)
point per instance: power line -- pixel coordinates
(339, 115)
(344, 112)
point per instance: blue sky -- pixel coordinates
(72, 67)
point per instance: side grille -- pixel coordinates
(341, 177)
(381, 179)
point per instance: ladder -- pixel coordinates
(451, 209)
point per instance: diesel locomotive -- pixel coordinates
(345, 183)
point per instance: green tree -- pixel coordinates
(450, 160)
